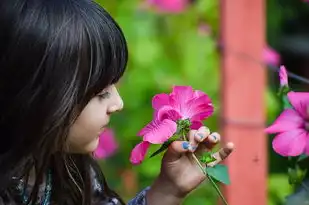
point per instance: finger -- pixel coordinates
(191, 138)
(178, 148)
(209, 143)
(197, 136)
(201, 134)
(212, 140)
(222, 154)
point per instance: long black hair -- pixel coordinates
(55, 55)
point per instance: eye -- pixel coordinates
(104, 95)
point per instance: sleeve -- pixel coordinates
(140, 198)
(300, 197)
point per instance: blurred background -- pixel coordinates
(177, 42)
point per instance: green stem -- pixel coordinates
(203, 169)
(210, 179)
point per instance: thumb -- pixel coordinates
(178, 148)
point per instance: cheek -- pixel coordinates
(84, 133)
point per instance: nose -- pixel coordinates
(117, 104)
(116, 107)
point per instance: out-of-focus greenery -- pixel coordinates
(166, 50)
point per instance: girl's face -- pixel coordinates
(84, 134)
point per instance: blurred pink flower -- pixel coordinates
(107, 145)
(283, 75)
(182, 104)
(271, 57)
(292, 127)
(169, 6)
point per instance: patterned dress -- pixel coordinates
(18, 192)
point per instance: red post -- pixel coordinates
(243, 104)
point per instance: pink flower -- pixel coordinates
(182, 104)
(292, 127)
(283, 75)
(271, 57)
(169, 6)
(107, 145)
(139, 152)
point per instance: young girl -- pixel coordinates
(59, 62)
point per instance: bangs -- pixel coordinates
(105, 54)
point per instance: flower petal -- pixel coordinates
(157, 132)
(307, 146)
(283, 75)
(180, 96)
(107, 145)
(196, 125)
(160, 100)
(198, 109)
(168, 112)
(169, 6)
(291, 143)
(198, 93)
(300, 102)
(271, 57)
(287, 120)
(139, 152)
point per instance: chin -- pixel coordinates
(92, 146)
(88, 148)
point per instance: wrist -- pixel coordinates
(163, 192)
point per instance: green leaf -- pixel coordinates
(219, 173)
(283, 91)
(207, 158)
(296, 175)
(164, 146)
(286, 103)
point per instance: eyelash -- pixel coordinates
(104, 95)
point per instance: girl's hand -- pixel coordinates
(180, 173)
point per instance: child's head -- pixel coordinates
(59, 61)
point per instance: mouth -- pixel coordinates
(100, 132)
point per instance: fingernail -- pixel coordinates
(186, 145)
(214, 137)
(201, 136)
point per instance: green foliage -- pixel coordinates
(207, 158)
(164, 146)
(278, 189)
(219, 173)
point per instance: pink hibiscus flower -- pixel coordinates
(283, 75)
(107, 145)
(169, 6)
(292, 127)
(271, 57)
(182, 104)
